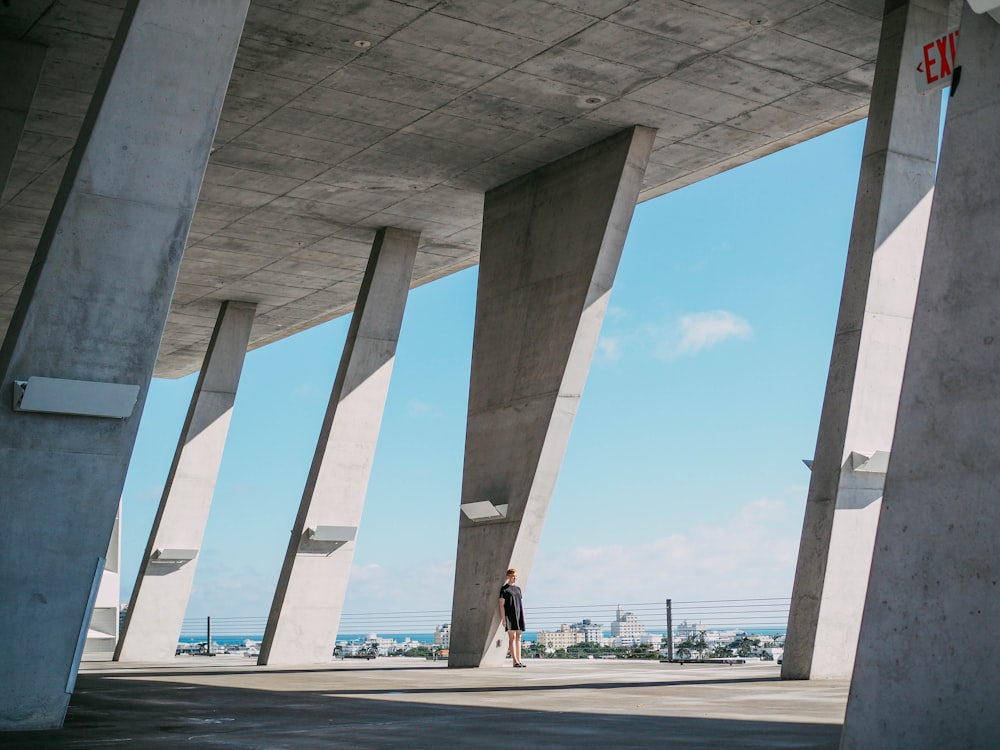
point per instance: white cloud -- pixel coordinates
(746, 554)
(417, 591)
(150, 494)
(306, 392)
(615, 313)
(688, 334)
(421, 409)
(225, 590)
(705, 330)
(749, 554)
(609, 348)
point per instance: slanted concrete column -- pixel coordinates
(21, 63)
(305, 613)
(159, 598)
(92, 309)
(924, 678)
(551, 244)
(869, 349)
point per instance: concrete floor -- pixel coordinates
(227, 702)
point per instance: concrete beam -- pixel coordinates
(92, 309)
(866, 367)
(551, 245)
(159, 599)
(305, 613)
(21, 63)
(921, 679)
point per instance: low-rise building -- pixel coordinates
(686, 629)
(628, 629)
(592, 632)
(565, 637)
(442, 636)
(375, 644)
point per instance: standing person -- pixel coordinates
(512, 614)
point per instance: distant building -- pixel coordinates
(592, 632)
(565, 637)
(442, 636)
(686, 629)
(390, 645)
(384, 646)
(628, 629)
(722, 637)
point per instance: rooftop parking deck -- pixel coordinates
(226, 701)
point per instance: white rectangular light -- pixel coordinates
(877, 464)
(480, 511)
(173, 555)
(332, 533)
(77, 397)
(987, 6)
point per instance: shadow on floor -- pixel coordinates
(106, 712)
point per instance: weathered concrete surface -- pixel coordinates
(551, 245)
(305, 613)
(594, 705)
(921, 680)
(159, 598)
(21, 63)
(93, 309)
(869, 350)
(345, 117)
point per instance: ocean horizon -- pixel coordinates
(424, 638)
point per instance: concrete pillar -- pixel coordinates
(90, 318)
(869, 349)
(21, 63)
(305, 613)
(159, 598)
(924, 677)
(551, 244)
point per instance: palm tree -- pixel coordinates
(694, 643)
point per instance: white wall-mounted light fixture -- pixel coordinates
(877, 463)
(987, 6)
(173, 556)
(78, 397)
(484, 510)
(342, 534)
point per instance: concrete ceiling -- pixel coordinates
(346, 115)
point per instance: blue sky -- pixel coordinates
(683, 477)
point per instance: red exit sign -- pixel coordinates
(935, 62)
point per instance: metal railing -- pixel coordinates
(764, 615)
